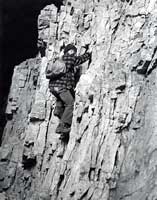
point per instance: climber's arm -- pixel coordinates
(48, 71)
(83, 58)
(48, 74)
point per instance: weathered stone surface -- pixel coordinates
(111, 152)
(3, 196)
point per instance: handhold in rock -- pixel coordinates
(143, 69)
(91, 98)
(60, 152)
(121, 87)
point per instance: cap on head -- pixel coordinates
(69, 47)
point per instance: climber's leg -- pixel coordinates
(59, 108)
(66, 118)
(68, 100)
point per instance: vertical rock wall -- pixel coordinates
(111, 152)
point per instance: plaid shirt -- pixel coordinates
(68, 80)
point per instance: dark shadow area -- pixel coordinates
(18, 40)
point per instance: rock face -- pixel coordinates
(18, 44)
(111, 152)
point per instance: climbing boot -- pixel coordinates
(63, 128)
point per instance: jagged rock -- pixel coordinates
(3, 196)
(29, 159)
(5, 152)
(111, 151)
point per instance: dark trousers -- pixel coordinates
(64, 106)
(59, 108)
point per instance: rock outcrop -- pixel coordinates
(111, 152)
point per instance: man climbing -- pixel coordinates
(63, 88)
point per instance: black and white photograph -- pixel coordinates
(78, 99)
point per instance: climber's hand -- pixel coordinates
(83, 50)
(90, 49)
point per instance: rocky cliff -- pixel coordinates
(18, 39)
(111, 152)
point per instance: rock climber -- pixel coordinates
(63, 88)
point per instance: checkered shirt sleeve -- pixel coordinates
(81, 59)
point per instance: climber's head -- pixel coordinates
(70, 49)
